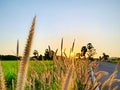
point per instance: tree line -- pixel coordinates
(8, 57)
(87, 51)
(48, 55)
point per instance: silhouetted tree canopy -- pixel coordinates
(89, 49)
(90, 46)
(36, 55)
(83, 50)
(105, 56)
(40, 57)
(46, 55)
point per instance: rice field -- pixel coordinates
(10, 70)
(54, 75)
(46, 75)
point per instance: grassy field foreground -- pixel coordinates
(10, 69)
(57, 75)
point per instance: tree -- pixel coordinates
(83, 51)
(91, 51)
(89, 46)
(46, 54)
(40, 57)
(35, 53)
(51, 54)
(100, 58)
(105, 56)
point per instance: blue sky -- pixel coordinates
(95, 21)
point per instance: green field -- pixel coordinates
(115, 61)
(10, 70)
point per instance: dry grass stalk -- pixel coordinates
(109, 81)
(66, 83)
(100, 74)
(22, 74)
(62, 47)
(17, 51)
(81, 75)
(65, 53)
(94, 86)
(13, 84)
(2, 80)
(112, 78)
(115, 88)
(73, 45)
(49, 49)
(56, 52)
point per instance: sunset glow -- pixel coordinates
(97, 22)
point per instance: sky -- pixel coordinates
(86, 21)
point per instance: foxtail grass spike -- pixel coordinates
(17, 48)
(73, 45)
(61, 46)
(56, 51)
(66, 83)
(22, 74)
(65, 53)
(70, 52)
(49, 49)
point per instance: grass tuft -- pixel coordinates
(2, 80)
